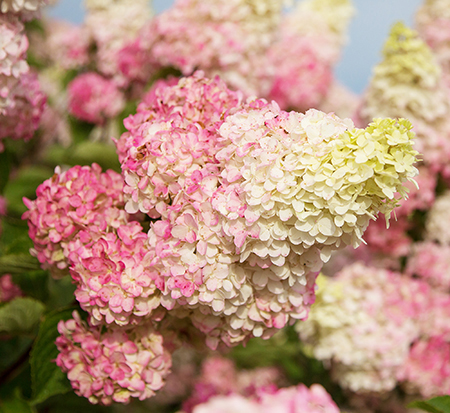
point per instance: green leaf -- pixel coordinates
(15, 404)
(47, 378)
(436, 405)
(18, 263)
(20, 316)
(89, 152)
(34, 284)
(24, 185)
(5, 166)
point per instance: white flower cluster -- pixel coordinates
(356, 327)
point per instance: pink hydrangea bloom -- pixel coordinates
(432, 21)
(287, 400)
(393, 241)
(173, 134)
(225, 404)
(20, 118)
(13, 46)
(112, 25)
(94, 99)
(220, 377)
(225, 38)
(431, 261)
(299, 399)
(8, 290)
(115, 282)
(302, 76)
(114, 365)
(427, 369)
(79, 198)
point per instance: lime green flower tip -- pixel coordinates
(377, 160)
(407, 58)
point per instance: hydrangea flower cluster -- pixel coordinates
(255, 202)
(219, 376)
(94, 99)
(115, 283)
(114, 365)
(172, 136)
(427, 369)
(111, 24)
(432, 21)
(8, 290)
(66, 44)
(21, 101)
(431, 262)
(408, 83)
(307, 47)
(246, 203)
(309, 400)
(81, 198)
(364, 323)
(226, 38)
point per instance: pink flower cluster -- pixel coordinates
(114, 365)
(67, 45)
(220, 377)
(427, 369)
(287, 400)
(8, 290)
(21, 101)
(94, 99)
(115, 281)
(173, 136)
(81, 198)
(431, 262)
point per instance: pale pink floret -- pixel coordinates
(114, 365)
(94, 98)
(8, 290)
(115, 281)
(79, 198)
(20, 118)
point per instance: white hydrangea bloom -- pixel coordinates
(358, 326)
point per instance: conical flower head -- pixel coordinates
(408, 84)
(407, 59)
